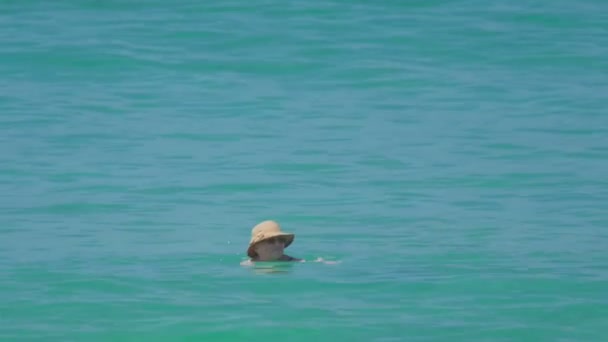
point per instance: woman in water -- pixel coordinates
(268, 243)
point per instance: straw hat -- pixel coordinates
(264, 231)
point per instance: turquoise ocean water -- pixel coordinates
(451, 155)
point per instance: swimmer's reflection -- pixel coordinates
(272, 267)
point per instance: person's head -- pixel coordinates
(268, 241)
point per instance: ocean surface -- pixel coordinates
(450, 156)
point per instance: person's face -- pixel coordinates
(271, 249)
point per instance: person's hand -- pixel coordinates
(247, 263)
(326, 261)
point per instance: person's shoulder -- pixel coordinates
(290, 258)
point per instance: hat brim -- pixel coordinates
(289, 237)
